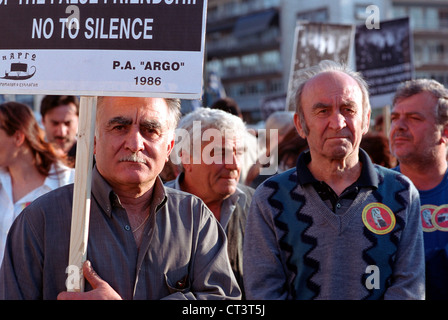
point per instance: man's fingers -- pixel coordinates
(101, 289)
(90, 275)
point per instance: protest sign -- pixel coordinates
(102, 47)
(384, 58)
(139, 48)
(314, 42)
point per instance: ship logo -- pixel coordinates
(19, 71)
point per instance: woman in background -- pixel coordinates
(29, 166)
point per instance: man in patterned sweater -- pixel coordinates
(337, 226)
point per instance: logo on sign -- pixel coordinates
(18, 66)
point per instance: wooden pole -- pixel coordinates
(386, 120)
(81, 194)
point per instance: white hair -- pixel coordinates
(203, 119)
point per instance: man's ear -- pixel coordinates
(366, 123)
(298, 125)
(445, 134)
(186, 160)
(170, 145)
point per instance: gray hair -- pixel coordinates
(226, 123)
(173, 110)
(413, 87)
(324, 67)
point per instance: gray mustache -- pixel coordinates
(133, 158)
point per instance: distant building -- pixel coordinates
(250, 42)
(429, 22)
(243, 48)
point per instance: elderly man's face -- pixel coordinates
(332, 106)
(133, 140)
(219, 170)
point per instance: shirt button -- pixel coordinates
(338, 206)
(127, 227)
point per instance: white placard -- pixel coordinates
(103, 47)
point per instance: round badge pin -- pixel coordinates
(378, 218)
(426, 213)
(440, 218)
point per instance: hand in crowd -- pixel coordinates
(101, 289)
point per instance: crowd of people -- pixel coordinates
(184, 206)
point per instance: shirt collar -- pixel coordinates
(178, 180)
(52, 181)
(107, 198)
(5, 181)
(368, 177)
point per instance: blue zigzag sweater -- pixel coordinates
(295, 247)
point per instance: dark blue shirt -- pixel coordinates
(436, 242)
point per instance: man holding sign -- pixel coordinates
(146, 241)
